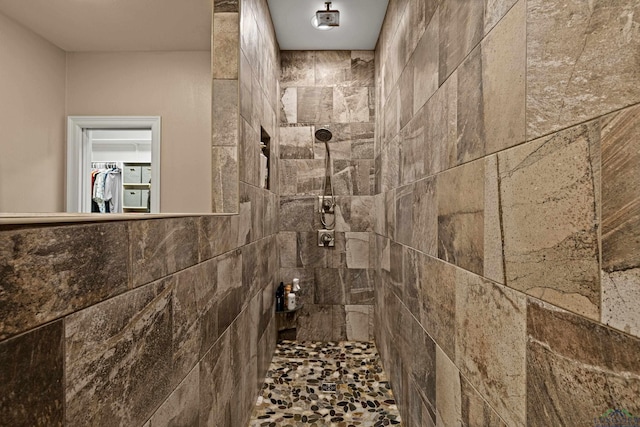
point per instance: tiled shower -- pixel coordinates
(486, 167)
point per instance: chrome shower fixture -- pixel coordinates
(328, 17)
(327, 203)
(324, 135)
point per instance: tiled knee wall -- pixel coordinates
(507, 228)
(164, 321)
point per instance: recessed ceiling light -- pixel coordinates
(318, 26)
(326, 19)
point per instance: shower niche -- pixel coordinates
(265, 159)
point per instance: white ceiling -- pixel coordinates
(142, 25)
(360, 23)
(116, 25)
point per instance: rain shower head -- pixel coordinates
(323, 135)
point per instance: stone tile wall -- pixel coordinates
(130, 321)
(156, 322)
(335, 90)
(506, 229)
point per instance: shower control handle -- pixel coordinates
(326, 204)
(326, 238)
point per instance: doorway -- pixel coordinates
(129, 148)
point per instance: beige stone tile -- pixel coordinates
(404, 215)
(362, 68)
(405, 86)
(621, 190)
(421, 14)
(620, 294)
(425, 216)
(491, 343)
(460, 29)
(332, 67)
(182, 406)
(549, 217)
(503, 80)
(437, 298)
(494, 11)
(448, 397)
(425, 63)
(225, 179)
(491, 90)
(225, 113)
(475, 410)
(32, 377)
(226, 37)
(493, 258)
(297, 68)
(315, 323)
(315, 104)
(358, 319)
(225, 6)
(118, 358)
(296, 142)
(50, 272)
(358, 250)
(460, 196)
(289, 105)
(351, 105)
(577, 369)
(412, 144)
(583, 70)
(440, 135)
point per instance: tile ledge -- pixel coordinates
(63, 217)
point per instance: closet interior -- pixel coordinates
(121, 175)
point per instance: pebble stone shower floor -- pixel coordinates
(299, 387)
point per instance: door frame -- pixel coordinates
(77, 195)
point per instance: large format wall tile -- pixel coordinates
(194, 309)
(216, 384)
(440, 133)
(621, 220)
(31, 378)
(491, 90)
(297, 68)
(183, 405)
(493, 254)
(217, 235)
(362, 68)
(224, 54)
(491, 343)
(225, 113)
(160, 247)
(425, 63)
(437, 293)
(315, 104)
(448, 391)
(460, 196)
(577, 369)
(49, 272)
(425, 217)
(475, 411)
(461, 28)
(549, 216)
(296, 142)
(118, 358)
(224, 191)
(332, 67)
(621, 190)
(582, 61)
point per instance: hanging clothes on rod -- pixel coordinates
(106, 181)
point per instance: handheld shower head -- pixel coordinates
(324, 135)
